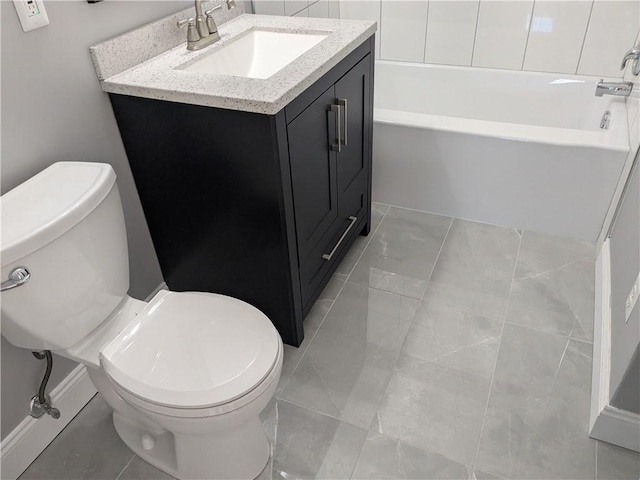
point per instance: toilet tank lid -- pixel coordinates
(49, 204)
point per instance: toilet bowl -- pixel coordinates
(187, 374)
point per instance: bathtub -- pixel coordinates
(517, 149)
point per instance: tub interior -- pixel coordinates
(525, 98)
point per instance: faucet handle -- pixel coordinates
(186, 22)
(214, 9)
(211, 23)
(192, 32)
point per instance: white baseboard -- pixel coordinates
(618, 427)
(607, 423)
(23, 445)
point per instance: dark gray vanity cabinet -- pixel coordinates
(259, 207)
(328, 151)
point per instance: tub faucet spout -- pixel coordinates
(619, 89)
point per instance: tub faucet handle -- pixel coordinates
(632, 54)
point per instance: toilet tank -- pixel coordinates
(66, 227)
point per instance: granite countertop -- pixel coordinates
(158, 77)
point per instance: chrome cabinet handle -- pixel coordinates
(343, 102)
(336, 147)
(327, 256)
(18, 276)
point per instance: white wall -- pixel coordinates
(298, 8)
(586, 37)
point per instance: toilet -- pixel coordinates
(187, 374)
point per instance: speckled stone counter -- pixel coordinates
(159, 78)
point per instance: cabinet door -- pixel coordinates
(313, 172)
(353, 94)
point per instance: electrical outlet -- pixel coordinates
(632, 299)
(31, 13)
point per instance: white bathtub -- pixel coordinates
(517, 149)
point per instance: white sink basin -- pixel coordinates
(256, 54)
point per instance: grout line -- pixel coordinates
(125, 467)
(324, 414)
(426, 29)
(444, 240)
(475, 34)
(550, 332)
(526, 44)
(584, 38)
(495, 365)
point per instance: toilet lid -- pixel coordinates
(193, 350)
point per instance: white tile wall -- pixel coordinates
(556, 35)
(405, 28)
(451, 28)
(319, 9)
(268, 7)
(363, 10)
(501, 34)
(612, 29)
(291, 7)
(587, 37)
(312, 8)
(302, 13)
(334, 8)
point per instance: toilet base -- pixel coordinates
(240, 453)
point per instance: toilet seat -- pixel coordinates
(192, 351)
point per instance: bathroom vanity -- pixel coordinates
(254, 187)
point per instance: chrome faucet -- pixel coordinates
(633, 54)
(203, 31)
(619, 89)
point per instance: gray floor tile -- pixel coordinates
(138, 469)
(480, 475)
(528, 361)
(357, 300)
(468, 301)
(410, 236)
(434, 408)
(332, 289)
(308, 445)
(378, 211)
(615, 463)
(418, 374)
(454, 339)
(553, 288)
(345, 370)
(88, 448)
(292, 355)
(392, 275)
(478, 258)
(383, 457)
(538, 415)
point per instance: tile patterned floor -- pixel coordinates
(441, 349)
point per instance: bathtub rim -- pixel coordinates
(616, 138)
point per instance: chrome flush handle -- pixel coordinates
(18, 276)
